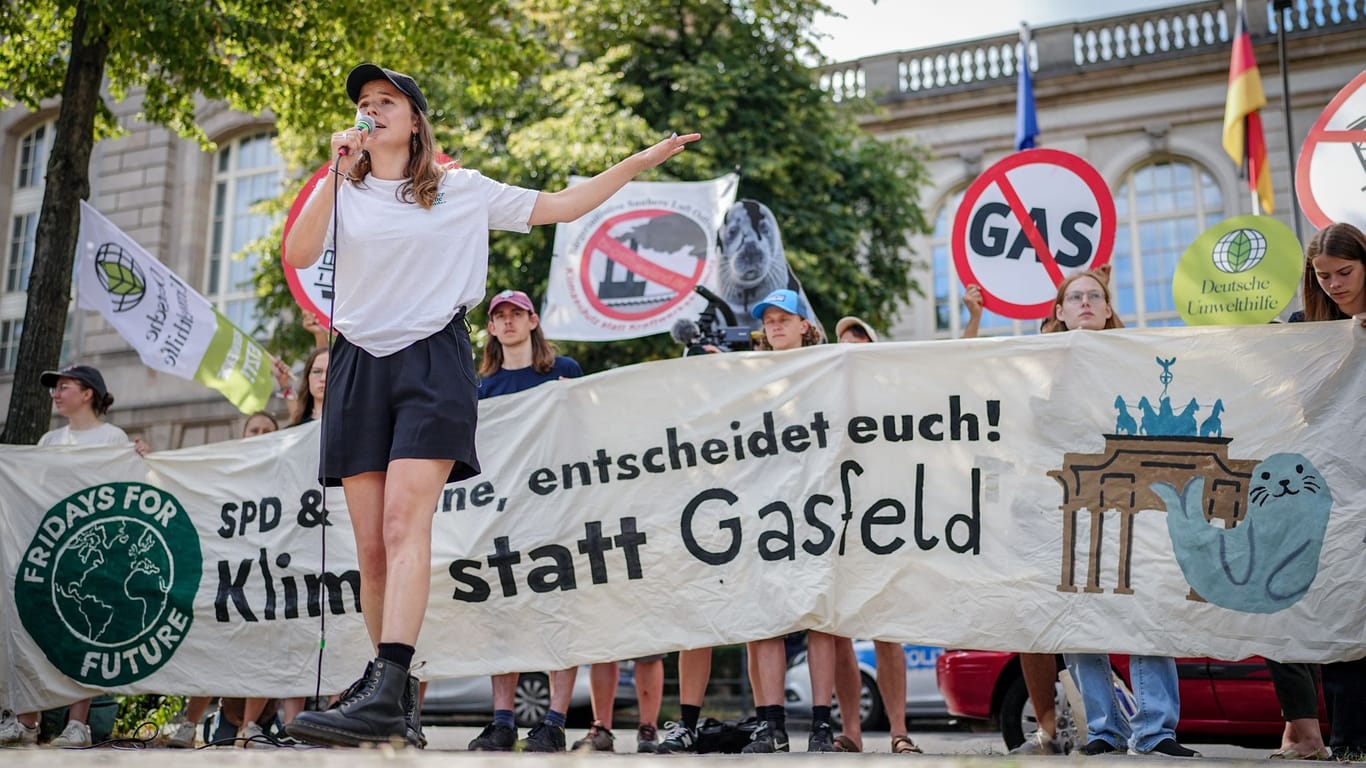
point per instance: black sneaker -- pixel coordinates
(822, 738)
(1167, 747)
(767, 739)
(494, 738)
(1099, 747)
(678, 739)
(647, 738)
(544, 737)
(598, 739)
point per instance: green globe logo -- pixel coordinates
(120, 275)
(1239, 250)
(107, 585)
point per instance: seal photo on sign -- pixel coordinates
(752, 261)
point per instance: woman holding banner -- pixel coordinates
(1083, 303)
(1334, 289)
(411, 244)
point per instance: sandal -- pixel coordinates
(845, 744)
(903, 745)
(1290, 753)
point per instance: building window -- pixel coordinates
(19, 263)
(949, 313)
(32, 163)
(247, 172)
(1161, 208)
(9, 344)
(26, 200)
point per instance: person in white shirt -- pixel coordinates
(410, 243)
(80, 395)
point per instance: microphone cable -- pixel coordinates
(322, 424)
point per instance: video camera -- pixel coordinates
(715, 327)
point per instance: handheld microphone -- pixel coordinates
(365, 124)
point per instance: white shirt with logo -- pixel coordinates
(402, 272)
(104, 434)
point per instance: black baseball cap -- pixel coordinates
(367, 72)
(83, 373)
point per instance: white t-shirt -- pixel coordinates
(403, 271)
(104, 434)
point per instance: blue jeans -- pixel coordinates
(1155, 689)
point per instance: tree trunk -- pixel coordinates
(67, 184)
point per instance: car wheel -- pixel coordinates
(1017, 714)
(532, 699)
(870, 711)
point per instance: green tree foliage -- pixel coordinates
(613, 76)
(288, 56)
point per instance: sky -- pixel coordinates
(895, 25)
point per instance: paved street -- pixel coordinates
(944, 747)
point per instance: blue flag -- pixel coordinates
(1026, 122)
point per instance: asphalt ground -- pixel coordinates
(943, 747)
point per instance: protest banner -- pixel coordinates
(1180, 492)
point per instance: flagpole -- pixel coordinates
(1281, 6)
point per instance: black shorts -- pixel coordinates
(421, 402)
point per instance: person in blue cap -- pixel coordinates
(785, 324)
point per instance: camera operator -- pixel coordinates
(715, 329)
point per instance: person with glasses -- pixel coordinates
(1083, 303)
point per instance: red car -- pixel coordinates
(1221, 701)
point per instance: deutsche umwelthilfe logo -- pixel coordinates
(121, 276)
(107, 584)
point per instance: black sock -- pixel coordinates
(820, 715)
(398, 654)
(689, 714)
(777, 717)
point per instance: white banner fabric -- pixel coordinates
(629, 268)
(939, 493)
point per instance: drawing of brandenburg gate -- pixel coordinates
(1120, 479)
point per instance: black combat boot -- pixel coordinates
(375, 714)
(412, 714)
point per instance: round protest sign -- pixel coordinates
(1330, 177)
(312, 285)
(1025, 222)
(1241, 271)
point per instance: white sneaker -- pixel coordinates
(15, 734)
(179, 733)
(249, 734)
(75, 734)
(1037, 743)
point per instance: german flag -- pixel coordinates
(1243, 137)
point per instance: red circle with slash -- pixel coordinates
(601, 244)
(1025, 222)
(1330, 176)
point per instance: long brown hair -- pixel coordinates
(423, 176)
(542, 353)
(1102, 276)
(1343, 241)
(303, 403)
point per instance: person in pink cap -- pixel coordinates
(518, 356)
